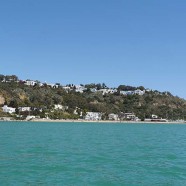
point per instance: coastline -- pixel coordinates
(93, 121)
(105, 121)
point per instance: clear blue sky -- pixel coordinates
(128, 42)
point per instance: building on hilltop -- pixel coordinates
(30, 83)
(133, 92)
(80, 89)
(107, 91)
(52, 85)
(67, 88)
(139, 92)
(93, 90)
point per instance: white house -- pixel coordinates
(24, 109)
(93, 90)
(41, 84)
(113, 117)
(78, 111)
(131, 92)
(154, 116)
(52, 85)
(37, 109)
(8, 109)
(148, 90)
(94, 116)
(123, 92)
(107, 91)
(56, 86)
(80, 88)
(67, 88)
(60, 107)
(30, 83)
(139, 92)
(127, 93)
(128, 116)
(137, 119)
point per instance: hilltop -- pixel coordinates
(74, 101)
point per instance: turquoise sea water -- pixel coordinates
(92, 154)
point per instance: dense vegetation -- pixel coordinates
(16, 94)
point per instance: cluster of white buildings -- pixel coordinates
(8, 81)
(137, 92)
(114, 117)
(33, 83)
(12, 110)
(81, 88)
(93, 116)
(24, 109)
(90, 116)
(107, 91)
(9, 110)
(60, 107)
(96, 116)
(129, 116)
(30, 83)
(67, 88)
(123, 116)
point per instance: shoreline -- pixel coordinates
(92, 121)
(106, 121)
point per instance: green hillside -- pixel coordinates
(15, 93)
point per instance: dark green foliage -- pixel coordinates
(126, 88)
(98, 86)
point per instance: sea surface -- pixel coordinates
(98, 154)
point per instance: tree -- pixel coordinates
(104, 85)
(126, 88)
(98, 86)
(141, 88)
(2, 77)
(13, 103)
